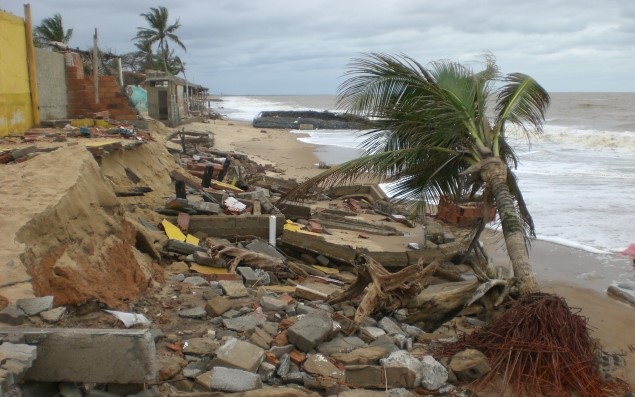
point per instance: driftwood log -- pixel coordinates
(241, 257)
(389, 291)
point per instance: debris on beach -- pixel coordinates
(205, 283)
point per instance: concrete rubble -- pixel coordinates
(234, 312)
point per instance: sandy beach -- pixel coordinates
(579, 276)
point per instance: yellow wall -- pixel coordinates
(16, 114)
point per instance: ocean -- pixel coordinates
(578, 178)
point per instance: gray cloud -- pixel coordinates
(296, 47)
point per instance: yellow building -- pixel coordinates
(16, 113)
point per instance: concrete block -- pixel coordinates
(251, 279)
(233, 289)
(273, 304)
(33, 306)
(264, 248)
(12, 315)
(310, 331)
(218, 305)
(195, 312)
(53, 315)
(234, 380)
(91, 355)
(239, 354)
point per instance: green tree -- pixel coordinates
(160, 32)
(441, 130)
(51, 29)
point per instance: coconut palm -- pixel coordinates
(51, 30)
(160, 32)
(441, 130)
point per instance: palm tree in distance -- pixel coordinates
(51, 30)
(435, 134)
(160, 32)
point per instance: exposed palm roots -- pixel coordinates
(540, 348)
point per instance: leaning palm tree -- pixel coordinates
(441, 130)
(51, 30)
(160, 32)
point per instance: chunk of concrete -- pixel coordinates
(310, 331)
(403, 359)
(341, 344)
(12, 315)
(195, 312)
(240, 355)
(53, 315)
(34, 306)
(274, 304)
(362, 356)
(320, 367)
(218, 305)
(433, 373)
(234, 380)
(234, 289)
(91, 355)
(469, 364)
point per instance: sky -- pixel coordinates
(285, 47)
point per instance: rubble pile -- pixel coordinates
(205, 284)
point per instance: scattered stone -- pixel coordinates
(229, 380)
(195, 312)
(195, 368)
(34, 306)
(53, 315)
(195, 281)
(319, 366)
(310, 331)
(434, 374)
(239, 354)
(218, 305)
(378, 377)
(280, 351)
(273, 304)
(403, 359)
(234, 289)
(470, 364)
(266, 371)
(200, 346)
(386, 342)
(245, 323)
(361, 356)
(261, 338)
(390, 326)
(12, 315)
(178, 277)
(371, 333)
(341, 344)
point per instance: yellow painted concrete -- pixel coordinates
(16, 115)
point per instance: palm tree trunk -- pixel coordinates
(494, 173)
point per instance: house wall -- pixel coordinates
(16, 114)
(51, 84)
(81, 94)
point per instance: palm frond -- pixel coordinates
(522, 102)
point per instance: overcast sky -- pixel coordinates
(303, 46)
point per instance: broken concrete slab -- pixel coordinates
(53, 315)
(230, 226)
(361, 356)
(232, 380)
(79, 355)
(240, 355)
(12, 315)
(310, 331)
(234, 289)
(218, 305)
(34, 306)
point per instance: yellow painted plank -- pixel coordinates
(327, 270)
(172, 231)
(192, 240)
(208, 270)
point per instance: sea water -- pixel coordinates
(578, 177)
